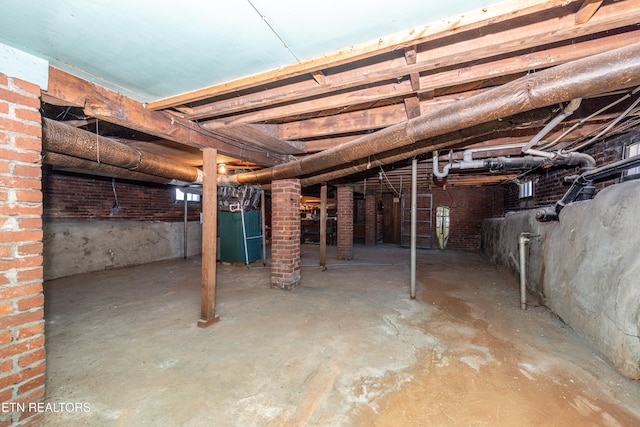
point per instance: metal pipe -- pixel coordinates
(611, 70)
(414, 221)
(584, 184)
(184, 243)
(263, 226)
(65, 139)
(523, 240)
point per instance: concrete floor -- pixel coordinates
(347, 348)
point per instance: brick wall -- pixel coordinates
(469, 207)
(74, 196)
(345, 222)
(22, 352)
(549, 185)
(285, 237)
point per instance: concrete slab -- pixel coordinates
(348, 347)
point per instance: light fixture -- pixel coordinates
(222, 168)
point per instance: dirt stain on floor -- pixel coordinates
(494, 365)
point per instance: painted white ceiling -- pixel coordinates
(152, 49)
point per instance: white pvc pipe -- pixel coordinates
(414, 228)
(522, 245)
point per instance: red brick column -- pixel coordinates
(345, 222)
(22, 354)
(285, 233)
(371, 218)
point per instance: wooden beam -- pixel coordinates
(328, 102)
(209, 238)
(587, 10)
(430, 81)
(515, 9)
(548, 29)
(363, 120)
(116, 108)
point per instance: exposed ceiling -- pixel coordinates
(306, 79)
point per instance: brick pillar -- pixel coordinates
(22, 354)
(345, 222)
(371, 218)
(285, 233)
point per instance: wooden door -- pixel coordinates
(391, 215)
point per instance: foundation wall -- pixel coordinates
(585, 268)
(75, 246)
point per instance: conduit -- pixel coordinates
(612, 70)
(70, 141)
(414, 222)
(568, 110)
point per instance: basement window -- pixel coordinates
(525, 189)
(631, 151)
(178, 196)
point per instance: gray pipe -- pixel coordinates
(414, 222)
(523, 240)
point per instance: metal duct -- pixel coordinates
(60, 138)
(612, 70)
(57, 159)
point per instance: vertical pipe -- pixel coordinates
(184, 243)
(263, 225)
(522, 244)
(414, 212)
(323, 226)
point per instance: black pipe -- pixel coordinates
(583, 186)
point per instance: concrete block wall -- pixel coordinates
(285, 233)
(585, 268)
(345, 222)
(22, 351)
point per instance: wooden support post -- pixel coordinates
(323, 227)
(209, 237)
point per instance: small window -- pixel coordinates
(191, 197)
(631, 151)
(526, 189)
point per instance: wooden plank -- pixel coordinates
(116, 108)
(358, 121)
(551, 30)
(514, 9)
(209, 238)
(587, 10)
(332, 101)
(263, 136)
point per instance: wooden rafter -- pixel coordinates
(464, 52)
(476, 19)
